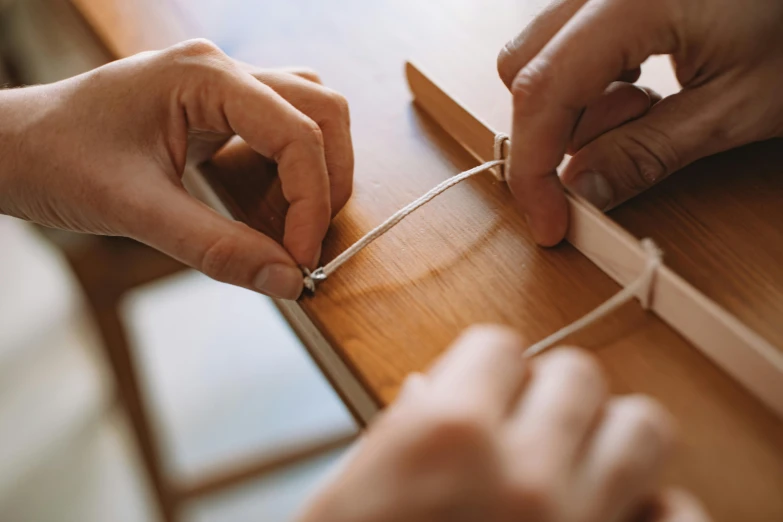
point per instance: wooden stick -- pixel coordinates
(254, 468)
(737, 349)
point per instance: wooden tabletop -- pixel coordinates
(468, 256)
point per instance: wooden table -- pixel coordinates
(468, 256)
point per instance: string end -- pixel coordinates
(311, 279)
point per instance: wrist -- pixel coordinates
(23, 141)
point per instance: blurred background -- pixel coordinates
(132, 389)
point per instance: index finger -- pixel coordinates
(483, 372)
(604, 39)
(523, 47)
(276, 129)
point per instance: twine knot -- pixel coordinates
(641, 288)
(311, 279)
(502, 143)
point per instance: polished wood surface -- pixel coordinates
(468, 256)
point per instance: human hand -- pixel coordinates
(566, 69)
(104, 153)
(489, 436)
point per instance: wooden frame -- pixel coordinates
(737, 349)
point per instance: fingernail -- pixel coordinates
(278, 280)
(593, 186)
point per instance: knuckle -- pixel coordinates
(218, 260)
(337, 106)
(200, 54)
(531, 85)
(310, 132)
(650, 423)
(647, 437)
(198, 47)
(310, 75)
(651, 156)
(577, 366)
(505, 64)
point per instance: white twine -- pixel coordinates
(311, 279)
(640, 287)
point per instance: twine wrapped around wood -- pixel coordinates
(641, 288)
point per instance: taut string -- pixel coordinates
(311, 279)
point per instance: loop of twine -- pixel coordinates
(499, 149)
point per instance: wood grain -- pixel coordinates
(468, 256)
(721, 223)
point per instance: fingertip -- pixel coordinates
(306, 224)
(413, 386)
(505, 66)
(492, 334)
(576, 359)
(679, 505)
(546, 211)
(546, 235)
(538, 191)
(304, 246)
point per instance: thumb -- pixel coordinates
(635, 156)
(228, 251)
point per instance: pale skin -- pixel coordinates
(484, 434)
(104, 153)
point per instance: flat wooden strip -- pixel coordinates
(740, 351)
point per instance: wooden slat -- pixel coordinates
(234, 473)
